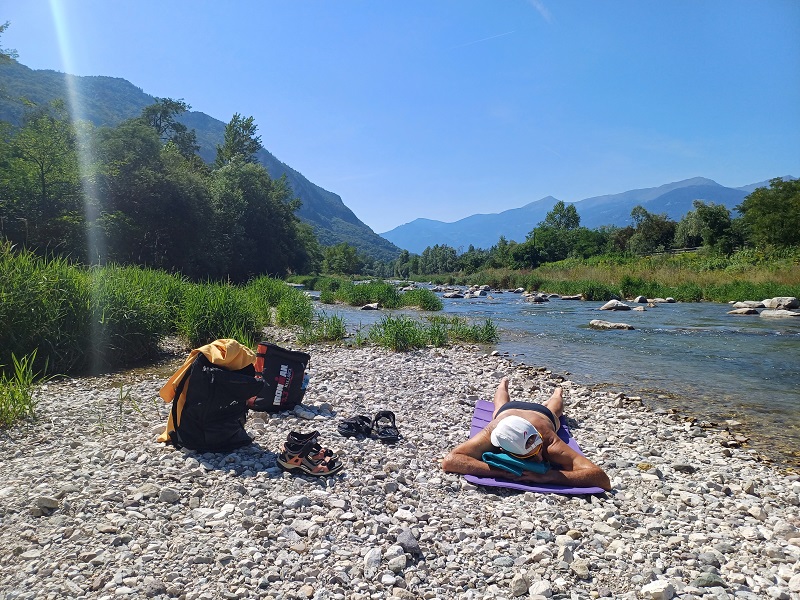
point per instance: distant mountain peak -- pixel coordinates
(484, 230)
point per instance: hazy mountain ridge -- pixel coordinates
(106, 101)
(482, 231)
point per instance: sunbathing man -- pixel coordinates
(526, 430)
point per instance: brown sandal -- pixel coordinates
(302, 452)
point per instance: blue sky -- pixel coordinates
(443, 109)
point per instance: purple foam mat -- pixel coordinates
(482, 417)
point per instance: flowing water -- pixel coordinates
(690, 356)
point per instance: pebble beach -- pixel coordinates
(91, 506)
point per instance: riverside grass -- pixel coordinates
(690, 277)
(16, 391)
(334, 290)
(401, 333)
(72, 319)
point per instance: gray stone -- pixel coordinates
(600, 324)
(615, 305)
(659, 589)
(705, 580)
(169, 495)
(407, 541)
(779, 314)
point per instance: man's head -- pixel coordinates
(517, 436)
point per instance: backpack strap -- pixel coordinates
(173, 435)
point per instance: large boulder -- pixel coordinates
(453, 295)
(782, 302)
(743, 311)
(600, 324)
(749, 304)
(780, 313)
(615, 305)
(640, 300)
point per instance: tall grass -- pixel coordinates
(16, 391)
(44, 305)
(690, 277)
(219, 310)
(422, 298)
(399, 333)
(129, 315)
(323, 328)
(368, 293)
(266, 293)
(294, 308)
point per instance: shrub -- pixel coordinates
(398, 333)
(423, 298)
(327, 297)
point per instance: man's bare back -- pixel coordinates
(569, 467)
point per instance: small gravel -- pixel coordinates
(91, 506)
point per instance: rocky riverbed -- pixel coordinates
(91, 506)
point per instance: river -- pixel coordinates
(691, 356)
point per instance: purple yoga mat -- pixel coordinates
(482, 417)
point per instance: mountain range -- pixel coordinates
(484, 230)
(107, 101)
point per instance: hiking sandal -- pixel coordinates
(384, 427)
(293, 459)
(297, 441)
(358, 425)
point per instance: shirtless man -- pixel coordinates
(511, 431)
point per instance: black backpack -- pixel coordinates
(215, 410)
(284, 376)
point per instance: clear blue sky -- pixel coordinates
(442, 109)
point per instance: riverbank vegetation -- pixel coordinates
(60, 317)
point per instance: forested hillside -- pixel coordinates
(108, 101)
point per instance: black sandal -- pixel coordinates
(384, 427)
(358, 425)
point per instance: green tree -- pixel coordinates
(653, 233)
(153, 206)
(6, 54)
(771, 216)
(42, 185)
(162, 115)
(553, 237)
(716, 226)
(341, 258)
(240, 140)
(562, 216)
(255, 227)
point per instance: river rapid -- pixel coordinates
(693, 357)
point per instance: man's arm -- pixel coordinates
(570, 469)
(466, 458)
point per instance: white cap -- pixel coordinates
(516, 436)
